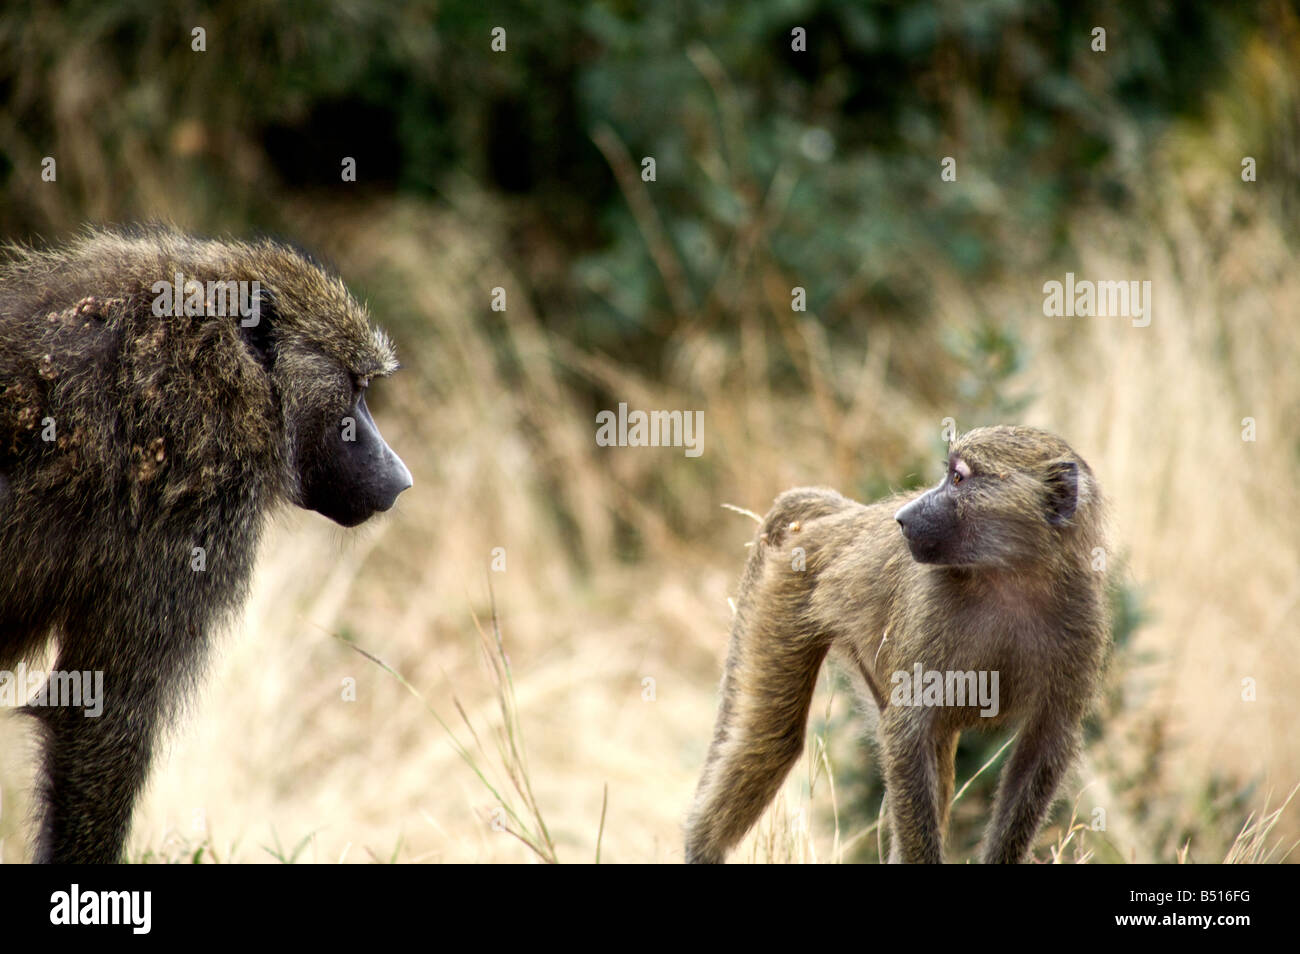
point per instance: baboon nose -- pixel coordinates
(404, 479)
(902, 515)
(399, 480)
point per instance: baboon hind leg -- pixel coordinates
(766, 693)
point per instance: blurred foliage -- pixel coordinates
(1037, 121)
(839, 145)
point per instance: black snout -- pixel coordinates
(356, 474)
(383, 475)
(914, 518)
(928, 525)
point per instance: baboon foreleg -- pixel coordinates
(1026, 789)
(93, 771)
(94, 767)
(770, 676)
(912, 780)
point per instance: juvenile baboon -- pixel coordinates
(989, 572)
(144, 437)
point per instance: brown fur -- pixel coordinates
(1017, 594)
(173, 432)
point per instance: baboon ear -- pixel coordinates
(255, 328)
(1062, 491)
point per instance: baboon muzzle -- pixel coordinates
(929, 525)
(357, 478)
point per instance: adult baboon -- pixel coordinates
(159, 394)
(989, 573)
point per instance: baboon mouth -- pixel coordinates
(922, 554)
(926, 551)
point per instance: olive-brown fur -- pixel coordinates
(1022, 598)
(128, 440)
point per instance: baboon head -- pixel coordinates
(322, 354)
(1007, 494)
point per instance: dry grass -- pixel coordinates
(572, 723)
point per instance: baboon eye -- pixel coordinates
(956, 478)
